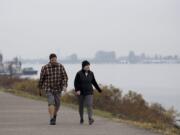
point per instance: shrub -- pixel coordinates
(131, 106)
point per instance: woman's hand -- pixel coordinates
(78, 93)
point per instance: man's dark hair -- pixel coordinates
(52, 55)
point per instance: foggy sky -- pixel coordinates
(35, 28)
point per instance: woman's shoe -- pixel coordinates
(91, 121)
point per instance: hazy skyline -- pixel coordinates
(33, 29)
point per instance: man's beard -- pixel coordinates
(54, 63)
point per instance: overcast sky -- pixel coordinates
(35, 28)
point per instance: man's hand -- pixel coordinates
(78, 93)
(65, 89)
(100, 91)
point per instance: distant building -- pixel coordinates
(108, 57)
(71, 59)
(133, 59)
(10, 67)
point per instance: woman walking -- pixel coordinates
(83, 83)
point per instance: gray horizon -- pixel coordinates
(36, 28)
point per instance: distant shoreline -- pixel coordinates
(105, 63)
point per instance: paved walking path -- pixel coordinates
(21, 116)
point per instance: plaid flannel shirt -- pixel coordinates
(53, 77)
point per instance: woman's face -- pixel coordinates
(87, 68)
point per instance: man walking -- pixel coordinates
(84, 90)
(53, 79)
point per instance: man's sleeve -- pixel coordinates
(94, 82)
(76, 82)
(64, 77)
(42, 78)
